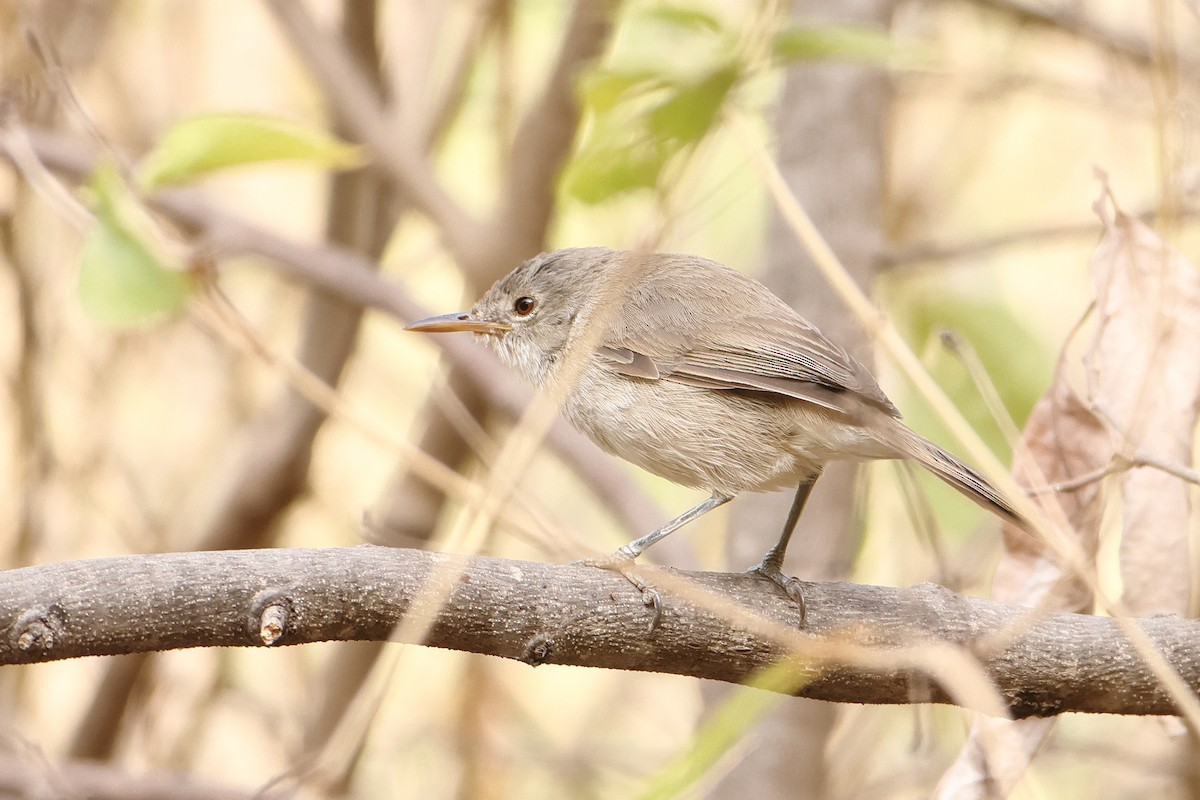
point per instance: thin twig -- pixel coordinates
(1171, 468)
(1086, 479)
(969, 358)
(1123, 463)
(20, 150)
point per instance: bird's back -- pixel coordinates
(706, 378)
(692, 315)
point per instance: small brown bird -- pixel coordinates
(699, 374)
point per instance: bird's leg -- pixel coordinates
(638, 546)
(771, 567)
(622, 559)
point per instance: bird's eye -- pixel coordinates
(524, 306)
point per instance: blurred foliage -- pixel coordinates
(727, 725)
(197, 146)
(1017, 365)
(832, 43)
(123, 278)
(647, 110)
(1017, 362)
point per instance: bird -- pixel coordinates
(699, 374)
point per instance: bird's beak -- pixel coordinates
(462, 321)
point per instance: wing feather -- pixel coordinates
(668, 330)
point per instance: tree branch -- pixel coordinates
(542, 613)
(357, 105)
(545, 135)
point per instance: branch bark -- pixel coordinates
(542, 613)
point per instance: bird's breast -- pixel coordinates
(722, 441)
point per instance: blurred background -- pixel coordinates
(946, 149)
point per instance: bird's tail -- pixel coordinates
(962, 477)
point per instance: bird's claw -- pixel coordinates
(792, 587)
(621, 562)
(652, 600)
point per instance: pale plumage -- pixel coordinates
(699, 374)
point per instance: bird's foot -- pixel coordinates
(621, 561)
(791, 586)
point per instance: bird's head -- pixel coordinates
(529, 316)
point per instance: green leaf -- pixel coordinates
(684, 17)
(199, 145)
(122, 284)
(691, 111)
(603, 171)
(832, 43)
(605, 89)
(121, 280)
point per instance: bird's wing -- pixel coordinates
(716, 343)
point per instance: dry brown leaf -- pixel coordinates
(1063, 440)
(1147, 325)
(1144, 376)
